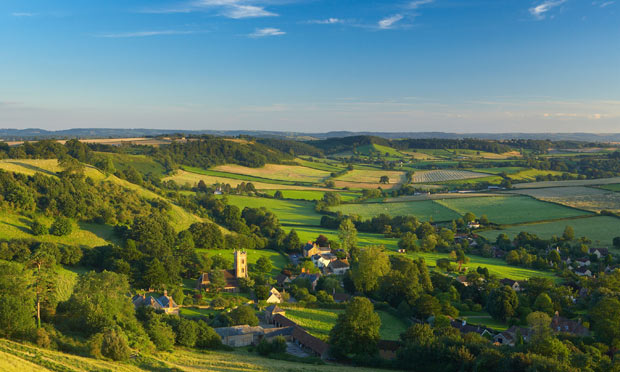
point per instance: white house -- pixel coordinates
(275, 297)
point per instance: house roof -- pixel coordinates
(281, 278)
(315, 344)
(582, 269)
(560, 324)
(310, 277)
(273, 309)
(341, 297)
(284, 321)
(468, 328)
(238, 330)
(338, 264)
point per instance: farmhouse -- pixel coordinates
(312, 278)
(231, 276)
(583, 271)
(164, 303)
(563, 325)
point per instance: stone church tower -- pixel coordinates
(241, 264)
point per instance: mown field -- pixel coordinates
(511, 209)
(424, 210)
(600, 229)
(444, 175)
(319, 322)
(278, 172)
(364, 177)
(290, 212)
(312, 195)
(587, 198)
(15, 357)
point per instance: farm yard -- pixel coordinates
(444, 175)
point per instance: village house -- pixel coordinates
(465, 328)
(512, 284)
(275, 297)
(583, 271)
(312, 278)
(282, 280)
(584, 261)
(338, 267)
(563, 325)
(599, 252)
(510, 336)
(463, 280)
(163, 303)
(323, 260)
(311, 248)
(231, 276)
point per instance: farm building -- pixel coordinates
(164, 303)
(271, 311)
(245, 335)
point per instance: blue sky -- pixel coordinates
(312, 65)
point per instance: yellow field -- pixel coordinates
(15, 357)
(372, 176)
(188, 178)
(277, 172)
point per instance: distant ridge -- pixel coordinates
(37, 134)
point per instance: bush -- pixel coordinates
(206, 337)
(161, 334)
(61, 227)
(277, 345)
(219, 303)
(112, 343)
(38, 228)
(186, 332)
(43, 338)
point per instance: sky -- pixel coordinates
(312, 65)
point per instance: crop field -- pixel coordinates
(371, 176)
(444, 175)
(182, 178)
(13, 226)
(542, 184)
(16, 357)
(313, 195)
(278, 260)
(614, 187)
(319, 322)
(511, 209)
(600, 229)
(587, 198)
(423, 210)
(289, 212)
(278, 172)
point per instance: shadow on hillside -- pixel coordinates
(21, 228)
(105, 232)
(33, 168)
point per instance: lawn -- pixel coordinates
(194, 312)
(600, 229)
(423, 210)
(511, 209)
(483, 318)
(278, 172)
(319, 322)
(290, 212)
(278, 260)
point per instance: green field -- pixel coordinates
(278, 172)
(16, 357)
(511, 209)
(499, 170)
(423, 210)
(289, 212)
(312, 195)
(13, 226)
(319, 322)
(142, 163)
(600, 229)
(614, 187)
(278, 260)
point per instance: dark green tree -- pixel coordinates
(502, 303)
(61, 226)
(356, 332)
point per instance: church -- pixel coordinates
(232, 285)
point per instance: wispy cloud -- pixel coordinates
(269, 31)
(603, 4)
(236, 9)
(121, 35)
(389, 22)
(328, 21)
(539, 11)
(418, 3)
(23, 14)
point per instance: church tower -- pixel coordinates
(241, 264)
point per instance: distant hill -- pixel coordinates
(34, 133)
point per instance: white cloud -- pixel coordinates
(539, 11)
(236, 9)
(328, 21)
(603, 4)
(418, 3)
(269, 31)
(121, 35)
(389, 22)
(23, 14)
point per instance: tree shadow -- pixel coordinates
(34, 168)
(105, 232)
(20, 228)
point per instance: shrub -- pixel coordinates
(277, 345)
(38, 228)
(61, 227)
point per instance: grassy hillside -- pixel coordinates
(423, 210)
(289, 212)
(15, 357)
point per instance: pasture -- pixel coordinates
(444, 175)
(278, 172)
(312, 195)
(319, 322)
(289, 212)
(424, 210)
(586, 198)
(511, 209)
(600, 229)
